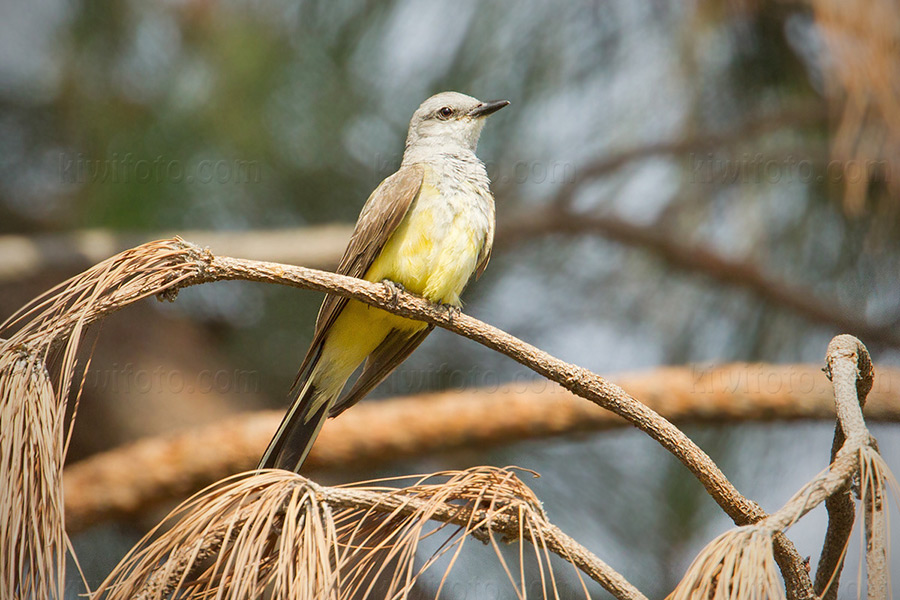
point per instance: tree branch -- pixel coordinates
(163, 267)
(578, 380)
(840, 507)
(842, 359)
(849, 367)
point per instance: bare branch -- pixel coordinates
(181, 264)
(840, 507)
(578, 380)
(841, 516)
(845, 353)
(849, 367)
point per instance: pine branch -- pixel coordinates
(578, 380)
(744, 555)
(278, 531)
(164, 267)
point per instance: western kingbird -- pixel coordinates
(428, 228)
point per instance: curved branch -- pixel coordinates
(840, 507)
(849, 367)
(164, 267)
(578, 380)
(845, 354)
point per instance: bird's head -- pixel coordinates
(450, 120)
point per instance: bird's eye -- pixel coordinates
(445, 113)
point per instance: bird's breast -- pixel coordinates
(435, 249)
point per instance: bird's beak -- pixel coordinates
(487, 108)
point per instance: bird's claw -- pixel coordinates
(395, 289)
(452, 310)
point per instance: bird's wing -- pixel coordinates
(484, 258)
(380, 216)
(484, 255)
(398, 345)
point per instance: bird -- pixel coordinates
(426, 229)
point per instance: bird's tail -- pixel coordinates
(300, 426)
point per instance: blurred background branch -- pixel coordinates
(695, 258)
(321, 248)
(127, 481)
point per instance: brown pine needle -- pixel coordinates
(32, 409)
(737, 565)
(275, 531)
(875, 481)
(32, 531)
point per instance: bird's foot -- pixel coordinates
(395, 289)
(452, 310)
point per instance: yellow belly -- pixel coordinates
(357, 331)
(432, 253)
(434, 250)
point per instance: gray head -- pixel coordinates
(448, 122)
